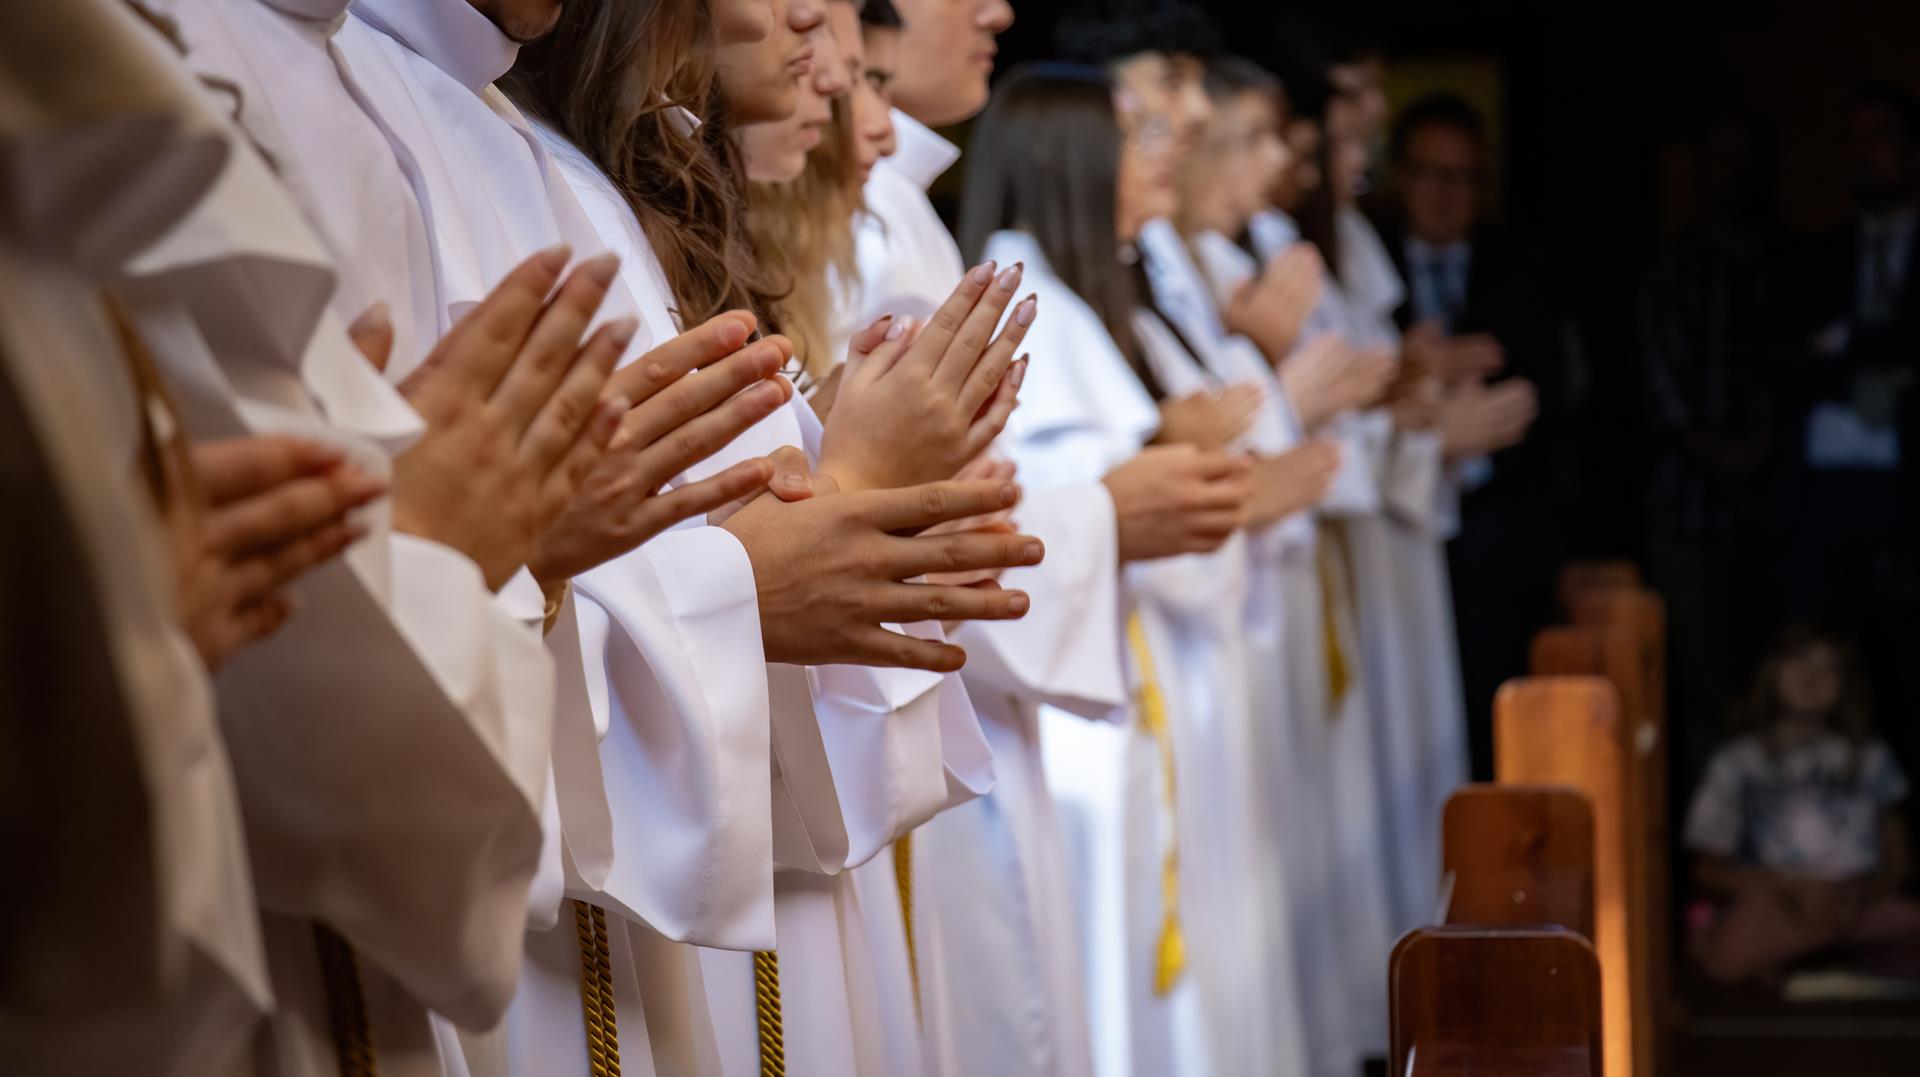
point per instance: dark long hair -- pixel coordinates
(1044, 159)
(608, 79)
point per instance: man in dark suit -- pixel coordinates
(1481, 308)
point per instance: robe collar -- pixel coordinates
(449, 34)
(922, 155)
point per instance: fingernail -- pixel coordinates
(899, 328)
(615, 406)
(1018, 603)
(601, 268)
(982, 273)
(1019, 371)
(1009, 493)
(1032, 551)
(1011, 276)
(378, 316)
(554, 259)
(796, 481)
(880, 321)
(1026, 310)
(621, 331)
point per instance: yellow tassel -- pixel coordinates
(766, 996)
(903, 881)
(596, 990)
(1332, 597)
(1170, 949)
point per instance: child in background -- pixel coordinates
(1796, 827)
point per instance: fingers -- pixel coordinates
(978, 380)
(697, 499)
(969, 347)
(692, 442)
(991, 422)
(896, 336)
(708, 343)
(287, 511)
(259, 577)
(372, 333)
(568, 410)
(551, 349)
(234, 468)
(690, 398)
(792, 478)
(946, 322)
(907, 603)
(875, 646)
(966, 552)
(1221, 466)
(477, 353)
(915, 507)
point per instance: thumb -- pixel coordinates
(372, 333)
(792, 479)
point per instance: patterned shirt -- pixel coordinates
(1812, 811)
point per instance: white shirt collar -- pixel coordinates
(449, 34)
(922, 155)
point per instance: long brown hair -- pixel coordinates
(609, 79)
(1045, 160)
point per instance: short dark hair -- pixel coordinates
(1103, 33)
(880, 15)
(1447, 110)
(1895, 98)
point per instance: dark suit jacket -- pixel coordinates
(1512, 295)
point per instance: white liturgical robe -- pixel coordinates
(134, 936)
(992, 918)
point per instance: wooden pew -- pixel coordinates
(1619, 633)
(1568, 731)
(1495, 1002)
(1519, 855)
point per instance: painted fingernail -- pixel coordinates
(1019, 372)
(601, 268)
(1026, 310)
(899, 328)
(1009, 493)
(1032, 551)
(554, 259)
(796, 481)
(982, 273)
(621, 331)
(616, 405)
(880, 321)
(1017, 604)
(1010, 276)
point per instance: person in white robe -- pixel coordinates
(132, 922)
(428, 69)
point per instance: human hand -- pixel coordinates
(1474, 419)
(915, 407)
(984, 468)
(831, 570)
(1291, 482)
(514, 423)
(678, 419)
(266, 510)
(1210, 419)
(1175, 499)
(1272, 309)
(1326, 378)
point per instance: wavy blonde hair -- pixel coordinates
(803, 232)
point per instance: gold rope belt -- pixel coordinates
(903, 880)
(766, 997)
(346, 1003)
(1170, 950)
(596, 990)
(1331, 557)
